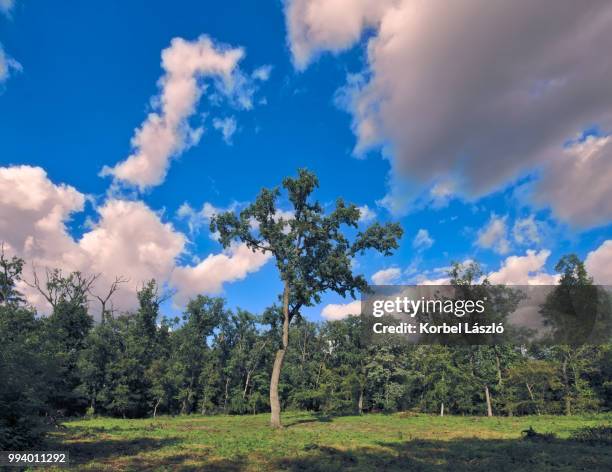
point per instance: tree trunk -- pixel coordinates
(246, 384)
(488, 397)
(275, 408)
(442, 409)
(360, 402)
(499, 372)
(227, 380)
(532, 397)
(155, 408)
(204, 400)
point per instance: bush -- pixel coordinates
(532, 435)
(593, 435)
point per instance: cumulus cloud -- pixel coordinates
(166, 131)
(577, 183)
(128, 239)
(339, 311)
(210, 274)
(34, 211)
(125, 239)
(366, 214)
(422, 240)
(386, 276)
(317, 25)
(494, 235)
(227, 127)
(598, 263)
(524, 270)
(478, 92)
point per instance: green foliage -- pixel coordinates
(312, 252)
(219, 361)
(10, 275)
(594, 435)
(26, 369)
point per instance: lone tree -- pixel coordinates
(312, 253)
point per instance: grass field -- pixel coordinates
(372, 442)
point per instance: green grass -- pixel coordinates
(371, 442)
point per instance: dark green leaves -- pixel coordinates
(312, 249)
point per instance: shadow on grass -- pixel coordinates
(184, 463)
(83, 451)
(462, 454)
(142, 454)
(454, 455)
(317, 418)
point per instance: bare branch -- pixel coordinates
(114, 286)
(72, 289)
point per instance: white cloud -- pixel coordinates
(524, 270)
(491, 92)
(198, 218)
(514, 270)
(422, 240)
(317, 25)
(210, 274)
(438, 281)
(262, 73)
(227, 127)
(386, 276)
(34, 211)
(166, 132)
(495, 235)
(598, 263)
(526, 231)
(7, 65)
(126, 239)
(339, 311)
(366, 214)
(130, 239)
(577, 183)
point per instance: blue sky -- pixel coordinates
(88, 71)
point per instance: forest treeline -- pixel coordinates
(215, 360)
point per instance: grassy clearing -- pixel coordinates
(371, 442)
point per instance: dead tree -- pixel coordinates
(106, 299)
